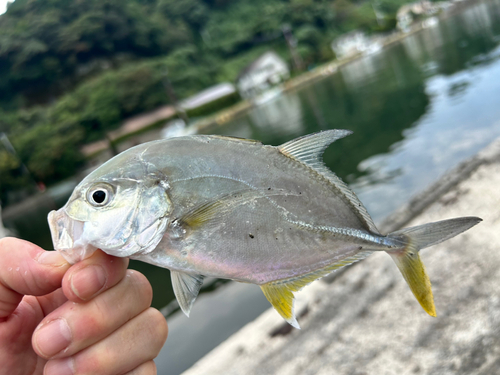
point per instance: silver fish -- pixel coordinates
(236, 209)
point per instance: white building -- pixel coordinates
(407, 13)
(355, 42)
(208, 95)
(268, 70)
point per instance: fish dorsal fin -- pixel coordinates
(280, 293)
(186, 288)
(309, 151)
(235, 139)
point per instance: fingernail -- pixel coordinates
(53, 337)
(88, 281)
(60, 367)
(51, 258)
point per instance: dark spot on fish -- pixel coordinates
(300, 192)
(251, 235)
(268, 188)
(276, 238)
(360, 248)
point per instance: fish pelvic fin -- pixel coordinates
(408, 258)
(280, 293)
(186, 288)
(309, 150)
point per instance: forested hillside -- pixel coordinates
(71, 69)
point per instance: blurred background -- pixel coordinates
(80, 81)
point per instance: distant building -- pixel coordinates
(409, 13)
(350, 44)
(208, 95)
(355, 42)
(268, 70)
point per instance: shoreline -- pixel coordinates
(368, 321)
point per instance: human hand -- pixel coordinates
(92, 317)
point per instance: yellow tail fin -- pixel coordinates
(408, 259)
(413, 270)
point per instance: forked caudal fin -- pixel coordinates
(408, 259)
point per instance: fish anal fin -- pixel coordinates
(280, 293)
(186, 288)
(413, 271)
(282, 299)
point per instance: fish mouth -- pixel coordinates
(68, 238)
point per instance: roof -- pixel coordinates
(208, 95)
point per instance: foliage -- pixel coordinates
(72, 69)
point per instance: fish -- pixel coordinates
(231, 208)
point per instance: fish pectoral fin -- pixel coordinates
(186, 288)
(217, 209)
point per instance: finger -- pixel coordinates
(26, 269)
(51, 301)
(137, 342)
(92, 276)
(75, 326)
(148, 368)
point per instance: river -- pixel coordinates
(417, 108)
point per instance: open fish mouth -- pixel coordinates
(68, 238)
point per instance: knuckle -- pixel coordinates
(142, 285)
(7, 244)
(158, 326)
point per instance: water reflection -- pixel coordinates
(417, 109)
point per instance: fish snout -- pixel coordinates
(68, 237)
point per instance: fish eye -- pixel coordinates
(100, 195)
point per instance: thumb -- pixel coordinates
(26, 269)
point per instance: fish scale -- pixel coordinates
(237, 209)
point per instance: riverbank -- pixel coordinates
(368, 322)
